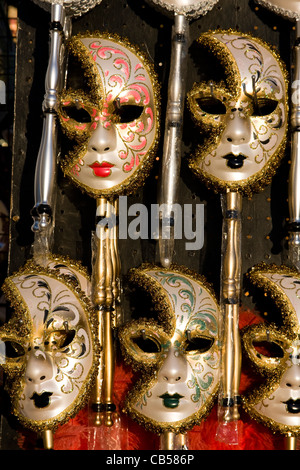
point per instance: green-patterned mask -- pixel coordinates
(178, 354)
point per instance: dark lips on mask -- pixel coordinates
(41, 400)
(235, 161)
(292, 406)
(171, 401)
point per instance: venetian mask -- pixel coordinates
(288, 8)
(274, 351)
(189, 8)
(47, 347)
(244, 119)
(115, 124)
(178, 353)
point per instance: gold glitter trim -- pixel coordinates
(272, 290)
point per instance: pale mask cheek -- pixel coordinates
(182, 386)
(282, 406)
(53, 379)
(246, 144)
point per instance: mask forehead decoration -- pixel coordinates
(274, 351)
(48, 347)
(178, 354)
(115, 126)
(244, 119)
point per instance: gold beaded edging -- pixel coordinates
(256, 277)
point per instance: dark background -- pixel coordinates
(264, 215)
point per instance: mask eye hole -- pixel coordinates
(264, 107)
(146, 344)
(60, 339)
(199, 344)
(11, 349)
(127, 112)
(211, 105)
(77, 113)
(268, 349)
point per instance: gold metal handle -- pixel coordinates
(290, 442)
(47, 436)
(106, 273)
(230, 302)
(171, 441)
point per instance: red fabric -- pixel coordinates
(80, 433)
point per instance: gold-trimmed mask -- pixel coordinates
(48, 347)
(244, 120)
(178, 353)
(274, 351)
(114, 124)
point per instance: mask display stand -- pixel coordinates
(75, 217)
(104, 173)
(47, 159)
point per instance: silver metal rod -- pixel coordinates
(294, 176)
(171, 160)
(45, 171)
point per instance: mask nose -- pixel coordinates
(103, 138)
(238, 129)
(39, 367)
(291, 378)
(174, 368)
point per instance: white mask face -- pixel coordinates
(246, 121)
(179, 354)
(48, 347)
(275, 352)
(116, 124)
